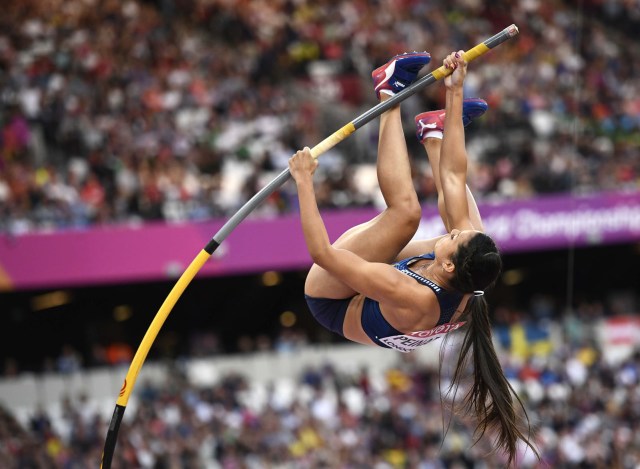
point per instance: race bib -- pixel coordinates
(408, 342)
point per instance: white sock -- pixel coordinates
(434, 134)
(389, 92)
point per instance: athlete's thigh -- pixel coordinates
(378, 240)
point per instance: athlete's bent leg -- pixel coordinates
(382, 238)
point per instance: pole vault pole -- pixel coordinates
(188, 275)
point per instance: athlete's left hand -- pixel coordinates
(302, 165)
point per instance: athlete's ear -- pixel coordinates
(448, 266)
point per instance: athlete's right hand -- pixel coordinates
(302, 165)
(455, 61)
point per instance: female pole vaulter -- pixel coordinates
(376, 286)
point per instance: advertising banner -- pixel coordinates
(160, 251)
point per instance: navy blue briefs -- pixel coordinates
(329, 312)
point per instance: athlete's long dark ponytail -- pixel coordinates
(491, 397)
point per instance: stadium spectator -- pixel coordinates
(128, 111)
(342, 420)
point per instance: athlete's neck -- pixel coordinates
(437, 274)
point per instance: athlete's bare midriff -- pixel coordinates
(352, 327)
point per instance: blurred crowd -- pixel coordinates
(128, 111)
(583, 409)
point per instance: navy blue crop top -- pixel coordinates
(376, 326)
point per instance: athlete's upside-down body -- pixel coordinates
(375, 285)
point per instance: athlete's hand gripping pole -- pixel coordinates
(246, 209)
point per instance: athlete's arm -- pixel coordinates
(453, 160)
(474, 213)
(378, 281)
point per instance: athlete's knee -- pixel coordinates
(312, 282)
(409, 211)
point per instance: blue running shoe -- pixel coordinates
(434, 120)
(399, 72)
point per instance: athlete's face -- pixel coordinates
(448, 245)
